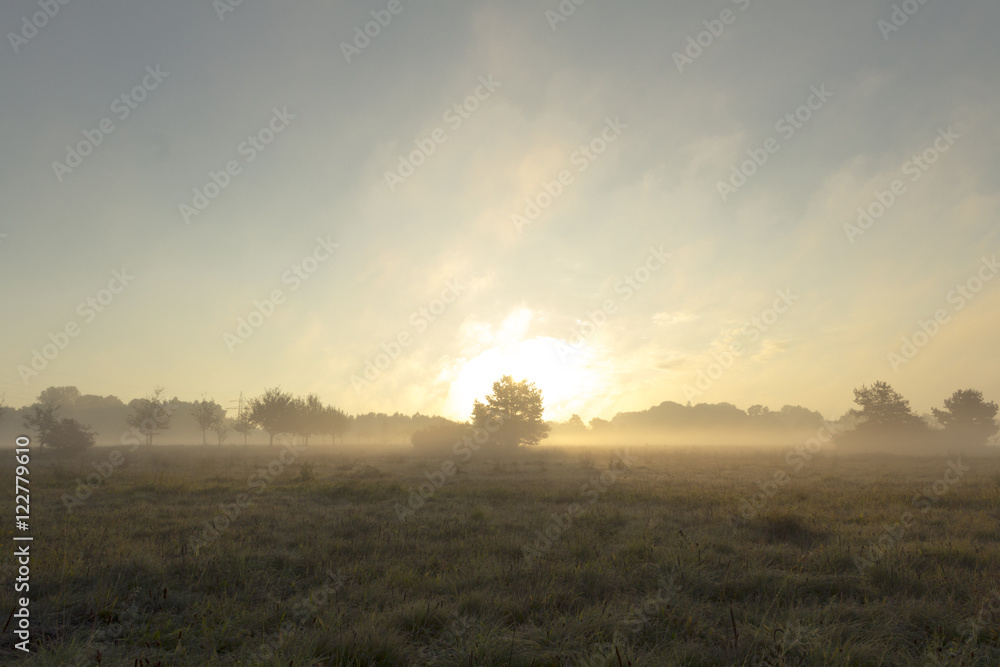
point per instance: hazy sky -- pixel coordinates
(662, 118)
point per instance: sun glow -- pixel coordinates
(561, 371)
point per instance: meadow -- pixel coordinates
(326, 555)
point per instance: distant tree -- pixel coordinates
(221, 428)
(333, 423)
(273, 412)
(370, 426)
(41, 418)
(150, 415)
(574, 423)
(243, 426)
(3, 407)
(59, 396)
(513, 412)
(883, 408)
(308, 416)
(208, 414)
(758, 410)
(798, 417)
(599, 425)
(967, 418)
(69, 435)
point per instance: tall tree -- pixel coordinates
(150, 415)
(59, 396)
(513, 413)
(883, 408)
(274, 412)
(967, 417)
(208, 414)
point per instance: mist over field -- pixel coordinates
(500, 333)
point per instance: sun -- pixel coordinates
(564, 373)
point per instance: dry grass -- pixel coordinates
(654, 572)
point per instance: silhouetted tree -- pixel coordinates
(150, 415)
(333, 423)
(41, 418)
(599, 425)
(59, 396)
(967, 418)
(243, 425)
(274, 412)
(208, 414)
(69, 435)
(883, 408)
(308, 416)
(797, 417)
(221, 429)
(3, 407)
(514, 412)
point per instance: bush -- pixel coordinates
(69, 435)
(439, 439)
(306, 473)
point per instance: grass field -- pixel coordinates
(557, 557)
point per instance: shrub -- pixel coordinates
(69, 435)
(439, 439)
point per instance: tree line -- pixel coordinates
(511, 416)
(274, 412)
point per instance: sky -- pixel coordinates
(625, 203)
